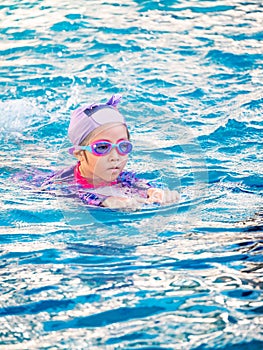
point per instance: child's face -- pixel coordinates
(108, 167)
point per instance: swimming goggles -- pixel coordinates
(102, 148)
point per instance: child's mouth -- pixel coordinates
(115, 168)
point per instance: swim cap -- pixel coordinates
(89, 117)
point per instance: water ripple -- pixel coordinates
(187, 276)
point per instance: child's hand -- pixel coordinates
(124, 203)
(157, 195)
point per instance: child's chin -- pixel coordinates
(114, 174)
(113, 178)
(109, 179)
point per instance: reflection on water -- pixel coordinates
(187, 276)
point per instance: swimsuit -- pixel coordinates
(70, 182)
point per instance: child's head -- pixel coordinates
(100, 140)
(86, 119)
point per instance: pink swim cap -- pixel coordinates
(89, 117)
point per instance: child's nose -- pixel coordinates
(114, 154)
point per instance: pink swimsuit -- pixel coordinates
(73, 184)
(84, 182)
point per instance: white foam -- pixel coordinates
(16, 116)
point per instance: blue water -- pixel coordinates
(188, 276)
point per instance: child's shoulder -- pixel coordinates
(128, 177)
(66, 174)
(133, 179)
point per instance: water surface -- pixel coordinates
(182, 277)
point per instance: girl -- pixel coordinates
(101, 144)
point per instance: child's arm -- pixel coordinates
(154, 195)
(150, 190)
(113, 202)
(124, 203)
(158, 195)
(92, 199)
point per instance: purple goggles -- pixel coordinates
(102, 147)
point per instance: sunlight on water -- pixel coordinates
(187, 276)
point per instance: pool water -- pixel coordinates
(187, 276)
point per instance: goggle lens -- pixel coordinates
(102, 148)
(125, 147)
